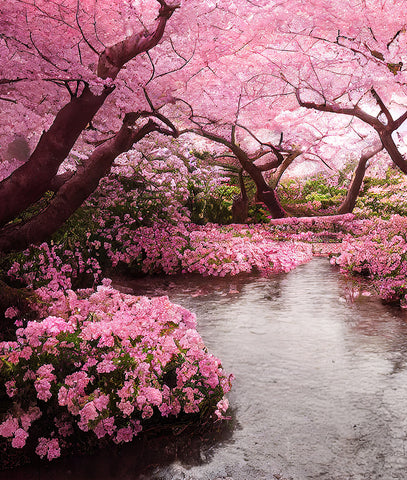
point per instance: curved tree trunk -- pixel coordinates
(269, 198)
(30, 181)
(350, 201)
(265, 193)
(240, 206)
(71, 195)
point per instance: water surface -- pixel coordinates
(320, 389)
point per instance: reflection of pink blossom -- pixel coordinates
(48, 448)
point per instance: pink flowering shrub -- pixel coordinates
(164, 248)
(379, 252)
(100, 365)
(209, 249)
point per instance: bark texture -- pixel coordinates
(265, 193)
(353, 192)
(71, 195)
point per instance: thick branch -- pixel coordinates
(59, 180)
(270, 165)
(384, 131)
(28, 183)
(283, 167)
(383, 108)
(31, 180)
(354, 111)
(113, 58)
(393, 151)
(265, 193)
(75, 191)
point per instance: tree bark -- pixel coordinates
(393, 151)
(282, 168)
(71, 195)
(265, 193)
(240, 206)
(29, 182)
(350, 201)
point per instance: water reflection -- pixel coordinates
(320, 389)
(184, 444)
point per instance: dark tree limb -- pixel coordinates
(349, 203)
(265, 193)
(28, 183)
(71, 194)
(384, 131)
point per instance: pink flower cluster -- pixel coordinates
(379, 252)
(112, 361)
(165, 248)
(208, 250)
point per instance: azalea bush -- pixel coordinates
(383, 196)
(101, 365)
(319, 194)
(378, 251)
(162, 248)
(166, 183)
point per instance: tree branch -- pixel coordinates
(354, 111)
(113, 58)
(383, 108)
(73, 192)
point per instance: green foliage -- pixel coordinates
(317, 195)
(322, 189)
(383, 196)
(258, 213)
(322, 194)
(35, 208)
(215, 207)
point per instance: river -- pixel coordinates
(320, 389)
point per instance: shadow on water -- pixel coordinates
(320, 389)
(189, 444)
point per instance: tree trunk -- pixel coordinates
(74, 192)
(265, 193)
(240, 207)
(269, 198)
(350, 201)
(28, 183)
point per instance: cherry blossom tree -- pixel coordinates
(96, 77)
(83, 59)
(348, 58)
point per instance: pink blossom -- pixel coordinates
(20, 437)
(8, 427)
